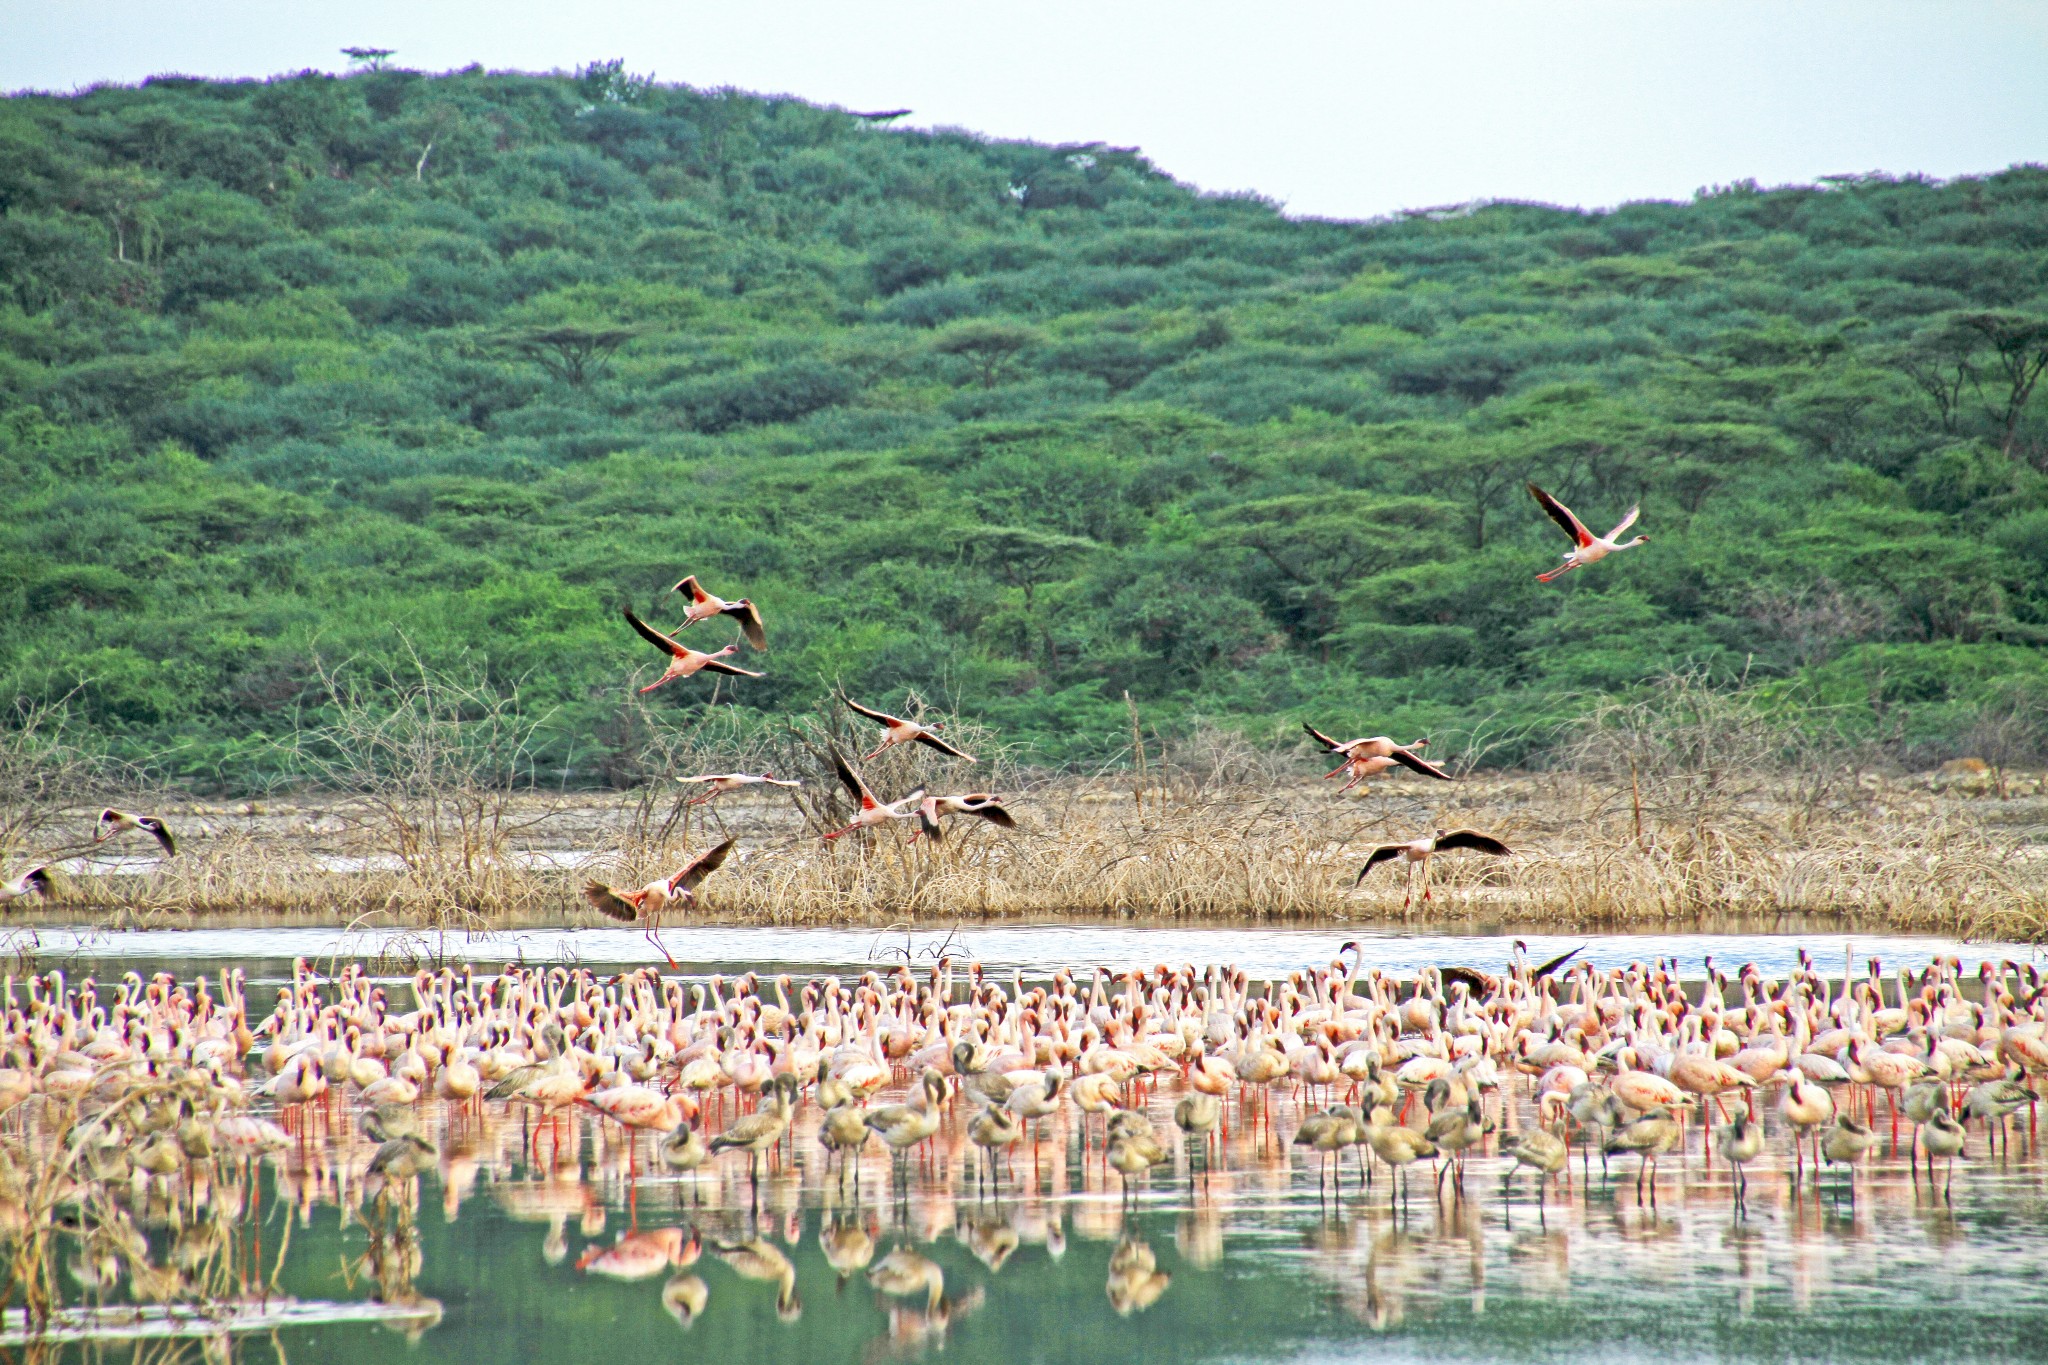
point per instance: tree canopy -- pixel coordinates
(320, 369)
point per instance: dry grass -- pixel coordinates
(1687, 810)
(1588, 854)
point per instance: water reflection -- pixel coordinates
(563, 1233)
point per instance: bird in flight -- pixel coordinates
(981, 804)
(901, 731)
(35, 881)
(703, 606)
(871, 812)
(650, 900)
(1418, 852)
(114, 822)
(1587, 548)
(682, 660)
(721, 783)
(1364, 757)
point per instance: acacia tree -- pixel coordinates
(2019, 353)
(1025, 557)
(992, 345)
(569, 351)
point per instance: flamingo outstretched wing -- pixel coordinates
(851, 780)
(653, 636)
(749, 617)
(1562, 515)
(700, 867)
(1474, 840)
(932, 741)
(610, 903)
(1385, 853)
(1422, 765)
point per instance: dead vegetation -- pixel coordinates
(1687, 808)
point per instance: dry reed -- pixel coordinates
(1686, 809)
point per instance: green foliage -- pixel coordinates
(395, 367)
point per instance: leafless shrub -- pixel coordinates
(2011, 730)
(42, 774)
(1210, 761)
(432, 759)
(1816, 622)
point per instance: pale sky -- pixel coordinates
(1336, 109)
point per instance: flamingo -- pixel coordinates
(114, 822)
(34, 881)
(872, 812)
(650, 900)
(1368, 756)
(901, 731)
(721, 783)
(1420, 851)
(979, 804)
(682, 660)
(1806, 1106)
(1740, 1141)
(703, 606)
(1587, 548)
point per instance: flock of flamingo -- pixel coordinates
(1524, 1066)
(1528, 1065)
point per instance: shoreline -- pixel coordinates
(1878, 855)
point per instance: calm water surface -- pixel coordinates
(525, 1241)
(1035, 949)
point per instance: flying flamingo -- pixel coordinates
(703, 606)
(872, 812)
(1420, 851)
(114, 822)
(982, 804)
(901, 731)
(1587, 548)
(1364, 757)
(721, 783)
(650, 900)
(36, 881)
(683, 661)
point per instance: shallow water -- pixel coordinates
(1258, 1263)
(1033, 949)
(1254, 1260)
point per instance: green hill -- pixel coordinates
(344, 370)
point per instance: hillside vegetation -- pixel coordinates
(361, 374)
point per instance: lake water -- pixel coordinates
(1001, 948)
(525, 1241)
